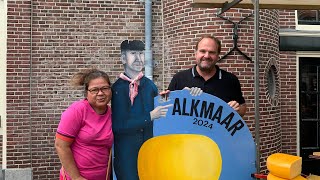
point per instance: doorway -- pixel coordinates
(309, 108)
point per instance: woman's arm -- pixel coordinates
(63, 149)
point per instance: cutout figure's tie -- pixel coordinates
(133, 86)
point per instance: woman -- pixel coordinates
(84, 136)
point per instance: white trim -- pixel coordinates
(3, 72)
(298, 105)
(305, 27)
(299, 33)
(308, 54)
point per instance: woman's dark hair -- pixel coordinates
(83, 78)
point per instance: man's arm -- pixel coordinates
(242, 110)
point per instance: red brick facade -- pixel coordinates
(50, 40)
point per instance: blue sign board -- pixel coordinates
(210, 116)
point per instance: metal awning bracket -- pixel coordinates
(235, 36)
(226, 6)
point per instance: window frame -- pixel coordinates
(307, 27)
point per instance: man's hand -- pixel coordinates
(160, 111)
(164, 94)
(234, 104)
(194, 91)
(241, 109)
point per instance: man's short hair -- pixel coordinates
(134, 45)
(218, 42)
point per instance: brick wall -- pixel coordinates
(183, 25)
(270, 138)
(66, 36)
(288, 102)
(287, 19)
(70, 35)
(288, 89)
(18, 85)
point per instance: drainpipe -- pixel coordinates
(256, 82)
(30, 85)
(148, 39)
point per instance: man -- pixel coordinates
(207, 76)
(132, 110)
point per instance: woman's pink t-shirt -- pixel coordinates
(93, 138)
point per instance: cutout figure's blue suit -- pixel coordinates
(131, 125)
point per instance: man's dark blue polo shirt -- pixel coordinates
(223, 84)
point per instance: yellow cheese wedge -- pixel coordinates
(273, 177)
(284, 165)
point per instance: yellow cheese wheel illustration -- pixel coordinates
(179, 157)
(284, 165)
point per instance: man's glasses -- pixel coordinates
(104, 89)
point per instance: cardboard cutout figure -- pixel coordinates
(132, 110)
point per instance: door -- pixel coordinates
(309, 109)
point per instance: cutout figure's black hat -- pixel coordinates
(134, 45)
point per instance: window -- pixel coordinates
(308, 17)
(272, 82)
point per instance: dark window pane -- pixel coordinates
(271, 81)
(309, 134)
(309, 92)
(308, 17)
(308, 106)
